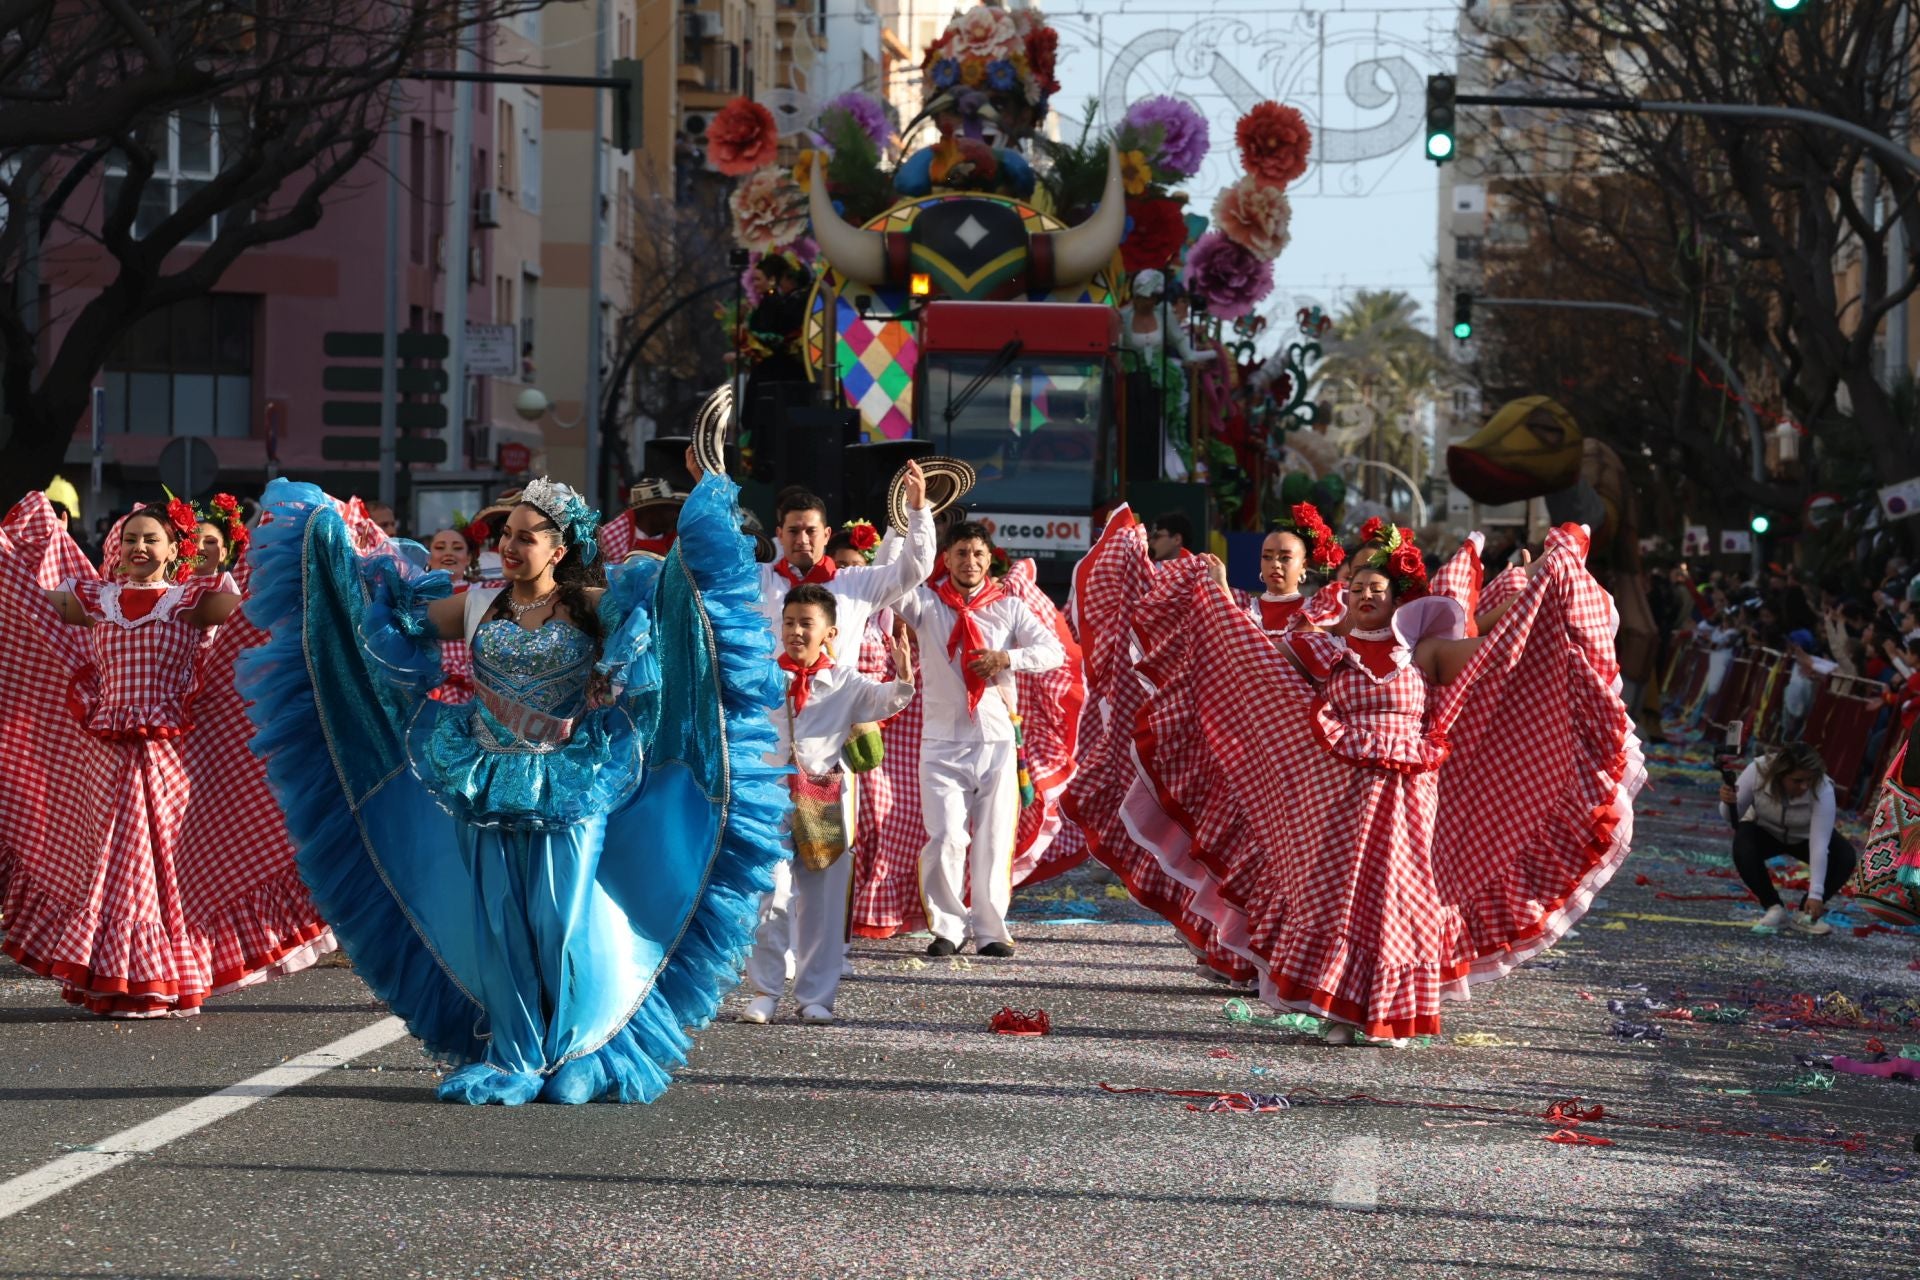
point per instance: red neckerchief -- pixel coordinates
(939, 574)
(965, 636)
(1276, 614)
(822, 571)
(800, 679)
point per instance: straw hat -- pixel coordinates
(710, 428)
(650, 492)
(948, 480)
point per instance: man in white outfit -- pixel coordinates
(900, 565)
(973, 637)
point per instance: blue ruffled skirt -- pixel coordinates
(558, 943)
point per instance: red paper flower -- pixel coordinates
(226, 504)
(1043, 46)
(742, 137)
(1406, 534)
(1371, 529)
(999, 565)
(1307, 517)
(479, 531)
(1327, 552)
(180, 513)
(1405, 562)
(1159, 230)
(1274, 143)
(238, 534)
(863, 536)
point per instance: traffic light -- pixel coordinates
(1759, 524)
(628, 107)
(1462, 314)
(1439, 118)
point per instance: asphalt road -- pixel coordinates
(908, 1141)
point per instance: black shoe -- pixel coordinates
(941, 947)
(998, 950)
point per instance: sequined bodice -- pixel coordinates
(531, 684)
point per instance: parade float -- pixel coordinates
(1049, 311)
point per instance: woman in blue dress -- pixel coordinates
(551, 884)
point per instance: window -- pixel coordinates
(1466, 248)
(529, 306)
(186, 370)
(623, 210)
(503, 300)
(186, 147)
(530, 156)
(508, 147)
(417, 190)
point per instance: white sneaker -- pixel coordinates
(760, 1010)
(1339, 1033)
(1818, 928)
(817, 1014)
(1775, 919)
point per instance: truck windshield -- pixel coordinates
(1032, 431)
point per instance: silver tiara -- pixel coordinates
(567, 509)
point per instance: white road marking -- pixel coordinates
(70, 1170)
(1356, 1181)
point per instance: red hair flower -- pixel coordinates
(180, 514)
(1274, 143)
(480, 532)
(863, 536)
(1327, 551)
(226, 504)
(999, 565)
(1372, 528)
(742, 137)
(1307, 517)
(1405, 562)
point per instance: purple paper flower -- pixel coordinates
(867, 113)
(1227, 276)
(1183, 140)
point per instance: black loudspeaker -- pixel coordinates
(762, 415)
(1144, 447)
(666, 459)
(870, 468)
(808, 449)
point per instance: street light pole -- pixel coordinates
(596, 236)
(1755, 435)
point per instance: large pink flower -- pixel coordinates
(1255, 216)
(986, 33)
(769, 212)
(742, 137)
(1229, 278)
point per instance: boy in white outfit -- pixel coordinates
(825, 699)
(973, 637)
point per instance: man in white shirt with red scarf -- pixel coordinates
(973, 637)
(802, 533)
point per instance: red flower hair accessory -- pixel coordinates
(742, 137)
(1389, 549)
(1274, 143)
(999, 564)
(1323, 547)
(181, 515)
(862, 537)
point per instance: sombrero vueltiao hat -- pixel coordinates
(650, 492)
(710, 428)
(948, 480)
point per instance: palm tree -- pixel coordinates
(1380, 372)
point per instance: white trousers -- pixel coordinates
(970, 802)
(805, 917)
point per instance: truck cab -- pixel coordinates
(1029, 394)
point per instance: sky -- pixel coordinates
(1364, 214)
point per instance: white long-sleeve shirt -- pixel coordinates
(1809, 818)
(840, 697)
(1006, 624)
(859, 591)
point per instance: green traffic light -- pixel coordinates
(1760, 524)
(1439, 146)
(1462, 332)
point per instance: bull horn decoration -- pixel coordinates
(1080, 252)
(855, 254)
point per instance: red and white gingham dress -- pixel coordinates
(1403, 842)
(143, 861)
(890, 831)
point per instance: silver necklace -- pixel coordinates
(520, 611)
